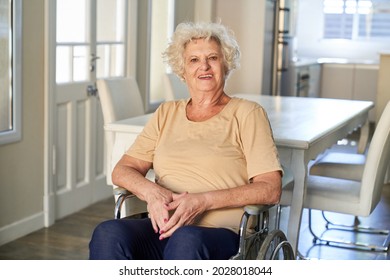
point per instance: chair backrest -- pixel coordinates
(382, 94)
(176, 89)
(376, 163)
(120, 98)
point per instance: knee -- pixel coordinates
(186, 243)
(105, 240)
(106, 230)
(121, 239)
(189, 234)
(104, 233)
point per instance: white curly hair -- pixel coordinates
(187, 31)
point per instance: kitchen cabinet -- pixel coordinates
(350, 81)
(315, 80)
(306, 79)
(365, 82)
(336, 81)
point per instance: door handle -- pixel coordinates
(92, 91)
(94, 57)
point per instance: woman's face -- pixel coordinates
(204, 69)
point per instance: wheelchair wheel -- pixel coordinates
(276, 247)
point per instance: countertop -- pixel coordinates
(305, 61)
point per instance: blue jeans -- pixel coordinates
(135, 239)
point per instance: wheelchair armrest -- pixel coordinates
(121, 191)
(122, 194)
(257, 209)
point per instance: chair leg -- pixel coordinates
(356, 222)
(356, 226)
(351, 244)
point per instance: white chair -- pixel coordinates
(349, 196)
(336, 163)
(175, 88)
(342, 165)
(120, 98)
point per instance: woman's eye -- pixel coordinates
(213, 58)
(193, 59)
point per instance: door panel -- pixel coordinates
(61, 151)
(76, 150)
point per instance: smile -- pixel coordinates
(209, 76)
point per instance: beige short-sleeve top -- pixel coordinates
(222, 152)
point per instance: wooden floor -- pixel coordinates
(68, 238)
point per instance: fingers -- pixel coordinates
(182, 216)
(176, 200)
(167, 234)
(170, 226)
(174, 221)
(184, 210)
(158, 215)
(160, 220)
(154, 225)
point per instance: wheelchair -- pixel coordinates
(259, 243)
(256, 241)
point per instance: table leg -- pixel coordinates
(364, 136)
(298, 166)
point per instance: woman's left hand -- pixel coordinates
(186, 208)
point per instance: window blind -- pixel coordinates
(357, 19)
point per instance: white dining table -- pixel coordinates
(302, 127)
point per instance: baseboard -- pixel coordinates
(21, 228)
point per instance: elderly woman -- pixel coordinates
(212, 154)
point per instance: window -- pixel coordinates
(76, 39)
(111, 38)
(72, 41)
(10, 71)
(357, 19)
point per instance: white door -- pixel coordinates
(90, 43)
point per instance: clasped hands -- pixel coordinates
(168, 211)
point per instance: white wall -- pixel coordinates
(245, 18)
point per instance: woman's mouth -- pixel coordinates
(205, 77)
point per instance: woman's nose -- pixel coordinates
(205, 64)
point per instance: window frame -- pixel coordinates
(14, 134)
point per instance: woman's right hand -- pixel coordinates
(130, 173)
(156, 204)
